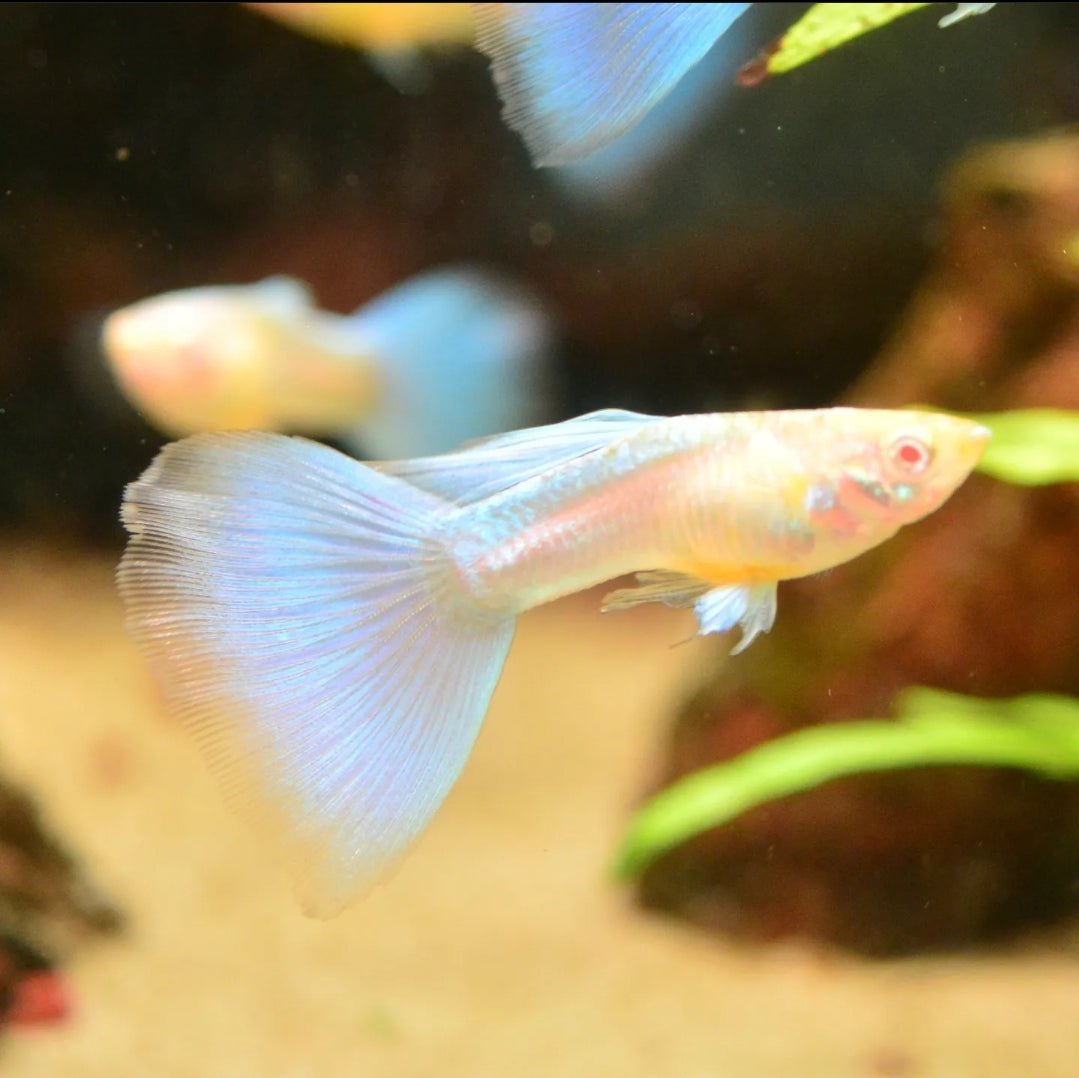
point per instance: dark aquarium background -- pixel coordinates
(148, 148)
(895, 223)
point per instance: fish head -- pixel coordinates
(886, 469)
(201, 358)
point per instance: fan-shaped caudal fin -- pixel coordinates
(299, 616)
(573, 77)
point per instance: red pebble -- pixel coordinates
(39, 998)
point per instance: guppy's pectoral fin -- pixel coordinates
(657, 586)
(752, 606)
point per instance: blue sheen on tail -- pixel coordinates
(573, 77)
(302, 620)
(459, 355)
(626, 163)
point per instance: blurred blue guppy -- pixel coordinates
(331, 632)
(449, 355)
(574, 77)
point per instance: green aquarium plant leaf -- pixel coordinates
(1038, 733)
(1032, 447)
(825, 27)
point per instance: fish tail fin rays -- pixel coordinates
(302, 620)
(458, 354)
(617, 172)
(573, 77)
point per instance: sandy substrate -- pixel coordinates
(500, 947)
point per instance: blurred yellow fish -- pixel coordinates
(449, 355)
(376, 26)
(331, 632)
(391, 35)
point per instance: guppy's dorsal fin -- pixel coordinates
(490, 465)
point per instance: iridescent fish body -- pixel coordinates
(387, 378)
(332, 632)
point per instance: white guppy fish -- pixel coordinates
(451, 354)
(331, 632)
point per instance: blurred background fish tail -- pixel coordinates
(573, 77)
(457, 354)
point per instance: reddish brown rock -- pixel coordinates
(48, 906)
(981, 598)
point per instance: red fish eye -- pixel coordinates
(910, 455)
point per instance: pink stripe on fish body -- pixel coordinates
(677, 494)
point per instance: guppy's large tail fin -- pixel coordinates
(573, 77)
(457, 354)
(303, 623)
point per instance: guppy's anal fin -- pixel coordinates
(752, 606)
